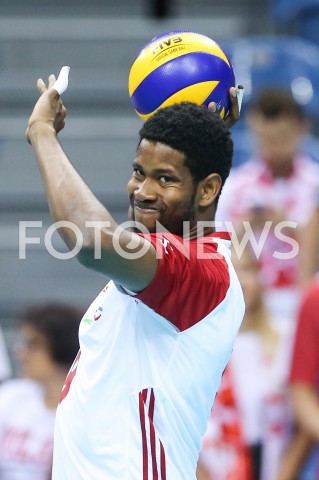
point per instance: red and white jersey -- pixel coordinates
(136, 402)
(26, 432)
(305, 359)
(252, 187)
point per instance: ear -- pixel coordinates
(209, 189)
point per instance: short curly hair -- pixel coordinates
(196, 131)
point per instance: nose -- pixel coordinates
(146, 191)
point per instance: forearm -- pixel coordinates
(309, 248)
(306, 408)
(294, 456)
(201, 473)
(69, 198)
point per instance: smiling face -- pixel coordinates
(161, 188)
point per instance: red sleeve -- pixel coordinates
(305, 359)
(185, 289)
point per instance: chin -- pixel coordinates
(151, 228)
(149, 224)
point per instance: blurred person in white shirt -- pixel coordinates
(276, 193)
(48, 343)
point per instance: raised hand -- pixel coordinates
(235, 98)
(49, 109)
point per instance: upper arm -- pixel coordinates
(126, 257)
(305, 405)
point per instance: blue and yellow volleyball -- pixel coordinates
(180, 66)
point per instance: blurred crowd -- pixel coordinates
(265, 421)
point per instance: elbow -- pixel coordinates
(88, 253)
(86, 257)
(91, 253)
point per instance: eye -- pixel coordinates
(165, 179)
(137, 172)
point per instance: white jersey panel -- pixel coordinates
(137, 402)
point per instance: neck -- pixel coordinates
(203, 225)
(280, 168)
(199, 231)
(257, 320)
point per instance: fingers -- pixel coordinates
(63, 79)
(49, 109)
(51, 80)
(60, 84)
(41, 86)
(235, 98)
(212, 106)
(59, 121)
(234, 107)
(240, 95)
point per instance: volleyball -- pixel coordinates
(180, 66)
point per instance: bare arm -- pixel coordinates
(235, 105)
(71, 200)
(294, 456)
(201, 473)
(309, 248)
(305, 404)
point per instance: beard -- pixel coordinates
(174, 224)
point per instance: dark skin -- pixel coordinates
(230, 120)
(71, 200)
(162, 189)
(234, 113)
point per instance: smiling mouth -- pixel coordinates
(145, 210)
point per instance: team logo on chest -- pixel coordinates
(98, 314)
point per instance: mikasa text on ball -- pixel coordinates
(180, 66)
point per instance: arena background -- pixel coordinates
(99, 39)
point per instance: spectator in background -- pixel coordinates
(250, 424)
(49, 344)
(278, 184)
(311, 243)
(304, 379)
